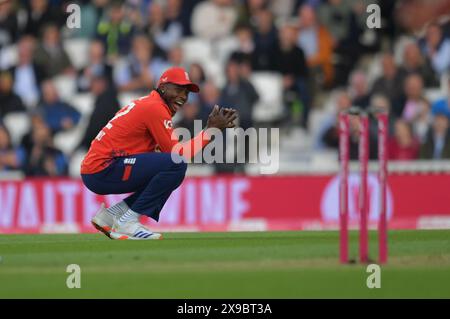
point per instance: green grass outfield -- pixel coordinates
(221, 265)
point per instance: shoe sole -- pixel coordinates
(118, 236)
(105, 229)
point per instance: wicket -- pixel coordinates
(363, 207)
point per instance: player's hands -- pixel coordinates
(221, 118)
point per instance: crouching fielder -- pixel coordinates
(123, 158)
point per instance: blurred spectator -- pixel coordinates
(414, 62)
(317, 43)
(390, 82)
(27, 75)
(336, 16)
(213, 19)
(291, 63)
(105, 106)
(381, 103)
(209, 96)
(331, 138)
(359, 89)
(9, 25)
(11, 158)
(422, 121)
(244, 45)
(437, 49)
(197, 73)
(282, 9)
(190, 112)
(265, 39)
(437, 145)
(175, 57)
(40, 13)
(51, 55)
(43, 159)
(411, 101)
(403, 145)
(9, 101)
(165, 32)
(97, 67)
(328, 129)
(58, 115)
(141, 70)
(248, 10)
(239, 93)
(115, 31)
(90, 12)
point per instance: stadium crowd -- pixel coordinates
(322, 53)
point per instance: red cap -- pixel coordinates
(179, 76)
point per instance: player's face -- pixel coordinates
(175, 95)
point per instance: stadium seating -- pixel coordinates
(77, 49)
(18, 124)
(270, 105)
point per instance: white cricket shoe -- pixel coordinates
(132, 230)
(103, 220)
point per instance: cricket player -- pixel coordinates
(134, 153)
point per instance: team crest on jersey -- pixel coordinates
(168, 124)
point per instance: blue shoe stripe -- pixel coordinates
(146, 236)
(138, 233)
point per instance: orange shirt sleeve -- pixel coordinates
(160, 126)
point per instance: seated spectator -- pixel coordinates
(390, 82)
(9, 101)
(213, 19)
(245, 45)
(359, 89)
(57, 114)
(51, 55)
(422, 121)
(27, 75)
(105, 106)
(317, 43)
(291, 63)
(331, 139)
(11, 158)
(98, 66)
(190, 112)
(197, 73)
(414, 62)
(437, 49)
(9, 24)
(403, 145)
(239, 93)
(209, 96)
(43, 159)
(410, 102)
(40, 13)
(265, 39)
(437, 145)
(381, 102)
(175, 57)
(115, 32)
(165, 32)
(341, 102)
(141, 70)
(90, 12)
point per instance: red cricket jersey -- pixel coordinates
(140, 127)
